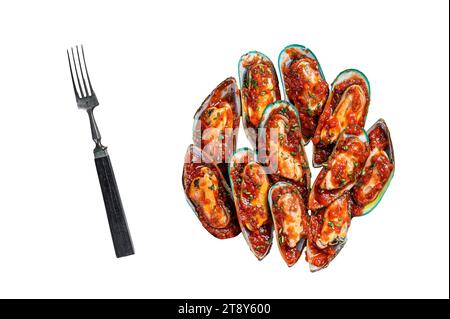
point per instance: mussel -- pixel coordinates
(290, 219)
(250, 186)
(304, 85)
(280, 144)
(216, 123)
(327, 233)
(259, 85)
(208, 194)
(378, 170)
(347, 105)
(343, 168)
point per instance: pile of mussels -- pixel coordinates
(268, 191)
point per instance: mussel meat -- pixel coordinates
(343, 168)
(216, 123)
(304, 85)
(250, 186)
(378, 170)
(259, 85)
(347, 105)
(290, 219)
(280, 144)
(208, 194)
(328, 233)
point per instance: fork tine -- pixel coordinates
(87, 73)
(82, 74)
(77, 97)
(76, 72)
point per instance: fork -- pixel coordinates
(87, 100)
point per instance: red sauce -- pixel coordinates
(350, 148)
(259, 238)
(289, 254)
(192, 170)
(260, 88)
(315, 256)
(320, 257)
(222, 105)
(376, 171)
(290, 142)
(378, 138)
(322, 150)
(303, 92)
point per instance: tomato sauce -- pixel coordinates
(290, 143)
(192, 170)
(305, 88)
(288, 229)
(254, 218)
(322, 146)
(377, 171)
(341, 171)
(259, 88)
(216, 122)
(325, 224)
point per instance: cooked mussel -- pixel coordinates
(328, 232)
(347, 105)
(250, 186)
(280, 144)
(208, 194)
(259, 85)
(342, 169)
(378, 170)
(216, 123)
(304, 85)
(290, 220)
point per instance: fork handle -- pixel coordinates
(117, 220)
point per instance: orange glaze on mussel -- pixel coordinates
(342, 169)
(304, 85)
(347, 105)
(259, 85)
(216, 123)
(290, 219)
(327, 232)
(208, 194)
(280, 144)
(250, 187)
(378, 170)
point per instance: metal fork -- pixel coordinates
(87, 100)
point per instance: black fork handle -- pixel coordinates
(117, 220)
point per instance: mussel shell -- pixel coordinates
(289, 254)
(346, 78)
(390, 153)
(291, 114)
(245, 62)
(264, 234)
(226, 93)
(195, 160)
(327, 254)
(319, 197)
(285, 58)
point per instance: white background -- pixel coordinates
(151, 66)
